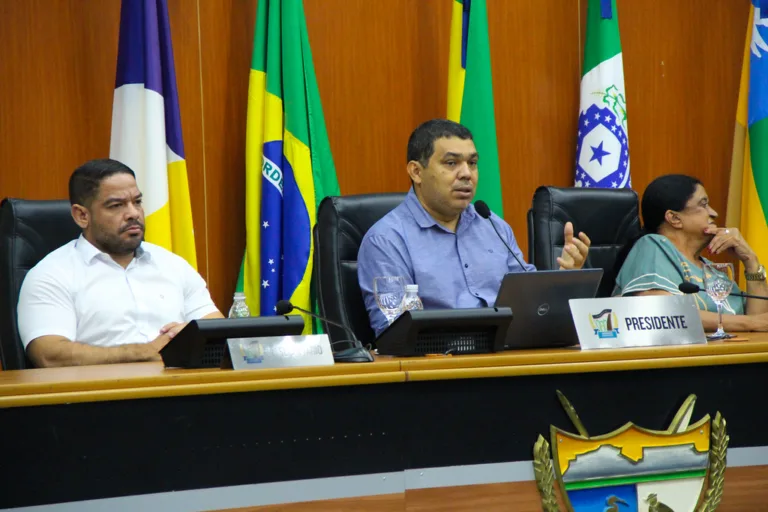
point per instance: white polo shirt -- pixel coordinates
(82, 294)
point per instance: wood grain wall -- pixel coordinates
(382, 68)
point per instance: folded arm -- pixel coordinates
(52, 351)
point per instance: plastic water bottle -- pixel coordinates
(239, 308)
(412, 300)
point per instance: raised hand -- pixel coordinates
(575, 249)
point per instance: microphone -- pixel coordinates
(688, 288)
(356, 354)
(485, 212)
(284, 307)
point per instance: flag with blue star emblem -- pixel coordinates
(289, 166)
(602, 147)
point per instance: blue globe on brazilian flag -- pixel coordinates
(634, 469)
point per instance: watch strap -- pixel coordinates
(756, 276)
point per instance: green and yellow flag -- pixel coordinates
(470, 93)
(289, 166)
(748, 190)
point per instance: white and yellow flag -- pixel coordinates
(146, 125)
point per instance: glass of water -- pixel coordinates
(389, 292)
(718, 282)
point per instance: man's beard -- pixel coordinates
(113, 243)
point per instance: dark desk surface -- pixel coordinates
(144, 380)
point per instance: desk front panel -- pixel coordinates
(171, 444)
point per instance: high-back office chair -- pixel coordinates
(341, 224)
(608, 216)
(29, 230)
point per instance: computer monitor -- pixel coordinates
(203, 343)
(446, 331)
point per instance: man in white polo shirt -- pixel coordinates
(108, 297)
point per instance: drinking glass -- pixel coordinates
(389, 292)
(718, 282)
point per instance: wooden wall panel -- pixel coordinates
(535, 59)
(56, 91)
(226, 31)
(382, 69)
(58, 68)
(682, 65)
(389, 81)
(186, 44)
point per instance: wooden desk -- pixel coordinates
(574, 360)
(756, 345)
(21, 388)
(177, 430)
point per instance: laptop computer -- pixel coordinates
(541, 316)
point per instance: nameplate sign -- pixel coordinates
(280, 352)
(647, 321)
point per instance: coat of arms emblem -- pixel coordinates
(634, 469)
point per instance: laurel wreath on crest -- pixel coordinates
(545, 476)
(718, 450)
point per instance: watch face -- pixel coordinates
(759, 275)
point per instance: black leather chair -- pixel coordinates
(29, 230)
(608, 216)
(341, 224)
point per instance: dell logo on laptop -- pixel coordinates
(543, 309)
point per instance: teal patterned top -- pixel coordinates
(654, 263)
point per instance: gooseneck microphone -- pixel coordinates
(284, 307)
(688, 288)
(356, 354)
(485, 212)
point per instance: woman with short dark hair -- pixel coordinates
(678, 226)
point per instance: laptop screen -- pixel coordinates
(541, 315)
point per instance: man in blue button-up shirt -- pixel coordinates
(436, 239)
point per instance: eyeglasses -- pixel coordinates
(703, 203)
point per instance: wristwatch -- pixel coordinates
(756, 276)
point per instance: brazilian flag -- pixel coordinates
(289, 166)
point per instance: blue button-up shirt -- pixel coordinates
(453, 270)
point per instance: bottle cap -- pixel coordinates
(412, 288)
(239, 295)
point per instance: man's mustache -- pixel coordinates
(131, 225)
